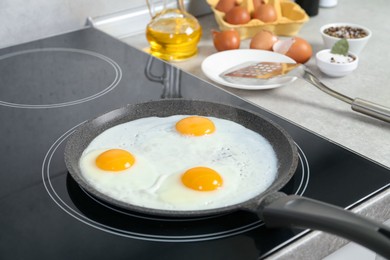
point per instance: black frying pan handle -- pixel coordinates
(280, 210)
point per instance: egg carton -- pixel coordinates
(290, 19)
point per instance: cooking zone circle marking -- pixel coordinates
(159, 233)
(111, 86)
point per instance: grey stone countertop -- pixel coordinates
(320, 113)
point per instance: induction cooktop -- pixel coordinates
(49, 87)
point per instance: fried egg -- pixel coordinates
(179, 163)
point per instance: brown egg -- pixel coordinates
(256, 3)
(225, 5)
(226, 40)
(265, 13)
(263, 40)
(296, 48)
(238, 15)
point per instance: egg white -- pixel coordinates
(245, 160)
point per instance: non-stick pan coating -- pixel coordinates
(281, 142)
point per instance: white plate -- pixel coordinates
(219, 62)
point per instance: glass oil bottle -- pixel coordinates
(173, 33)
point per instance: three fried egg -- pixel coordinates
(179, 163)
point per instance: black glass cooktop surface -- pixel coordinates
(49, 87)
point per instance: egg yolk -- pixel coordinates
(115, 160)
(202, 179)
(195, 125)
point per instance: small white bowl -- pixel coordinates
(328, 3)
(335, 69)
(355, 45)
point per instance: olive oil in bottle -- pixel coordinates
(173, 35)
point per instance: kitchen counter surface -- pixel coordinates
(317, 112)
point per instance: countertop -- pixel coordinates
(317, 112)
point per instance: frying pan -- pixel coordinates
(273, 207)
